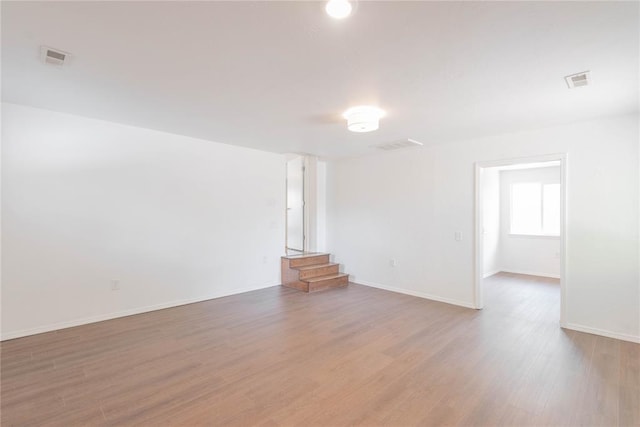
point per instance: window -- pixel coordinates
(535, 209)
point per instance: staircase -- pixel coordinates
(311, 272)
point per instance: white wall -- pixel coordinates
(491, 221)
(408, 204)
(174, 219)
(536, 255)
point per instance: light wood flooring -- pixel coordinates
(349, 356)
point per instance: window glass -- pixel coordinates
(551, 209)
(526, 208)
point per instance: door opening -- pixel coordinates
(295, 240)
(520, 222)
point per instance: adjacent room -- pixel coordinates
(320, 213)
(521, 249)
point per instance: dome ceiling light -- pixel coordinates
(363, 118)
(338, 9)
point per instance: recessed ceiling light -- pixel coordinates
(363, 118)
(338, 9)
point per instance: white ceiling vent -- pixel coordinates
(53, 56)
(579, 79)
(398, 145)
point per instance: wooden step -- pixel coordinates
(309, 271)
(325, 282)
(304, 255)
(307, 259)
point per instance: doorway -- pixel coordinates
(520, 221)
(295, 240)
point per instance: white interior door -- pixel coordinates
(295, 204)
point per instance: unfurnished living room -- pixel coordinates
(320, 213)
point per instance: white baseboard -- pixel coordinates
(530, 273)
(416, 294)
(602, 332)
(572, 326)
(123, 313)
(491, 273)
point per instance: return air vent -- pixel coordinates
(398, 145)
(579, 79)
(53, 56)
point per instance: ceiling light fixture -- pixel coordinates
(338, 9)
(363, 118)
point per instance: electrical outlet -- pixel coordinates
(115, 285)
(393, 262)
(458, 236)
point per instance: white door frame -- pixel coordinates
(289, 158)
(479, 237)
(310, 196)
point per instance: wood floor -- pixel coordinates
(349, 356)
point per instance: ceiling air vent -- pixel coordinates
(579, 79)
(53, 56)
(398, 145)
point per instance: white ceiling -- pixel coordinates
(277, 75)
